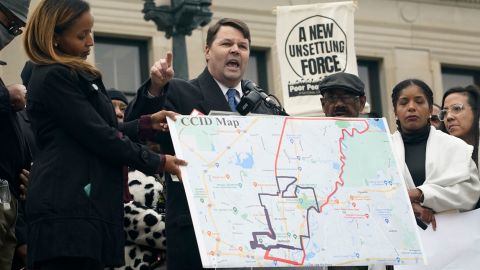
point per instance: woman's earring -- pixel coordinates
(55, 44)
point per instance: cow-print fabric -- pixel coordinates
(144, 223)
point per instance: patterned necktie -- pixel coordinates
(232, 102)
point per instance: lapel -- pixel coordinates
(213, 95)
(94, 84)
(98, 97)
(449, 164)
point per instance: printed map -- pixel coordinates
(268, 191)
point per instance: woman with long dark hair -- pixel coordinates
(438, 169)
(460, 115)
(75, 206)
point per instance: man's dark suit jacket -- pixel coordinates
(203, 94)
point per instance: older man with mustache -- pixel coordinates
(343, 95)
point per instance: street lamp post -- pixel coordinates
(178, 20)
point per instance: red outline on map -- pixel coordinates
(337, 183)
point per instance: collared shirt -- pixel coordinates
(225, 89)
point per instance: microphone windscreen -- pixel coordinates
(248, 86)
(248, 102)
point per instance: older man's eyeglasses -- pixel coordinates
(434, 118)
(347, 99)
(454, 109)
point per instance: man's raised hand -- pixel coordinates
(160, 74)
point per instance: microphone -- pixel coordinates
(251, 86)
(252, 97)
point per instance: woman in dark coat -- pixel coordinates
(74, 208)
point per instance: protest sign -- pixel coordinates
(313, 41)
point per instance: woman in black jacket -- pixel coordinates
(74, 208)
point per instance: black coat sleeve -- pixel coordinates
(130, 129)
(143, 104)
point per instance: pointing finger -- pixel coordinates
(169, 59)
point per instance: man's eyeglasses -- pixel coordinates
(454, 110)
(13, 27)
(347, 99)
(434, 118)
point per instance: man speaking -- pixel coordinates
(218, 87)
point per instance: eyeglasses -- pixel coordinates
(434, 118)
(453, 109)
(347, 99)
(13, 27)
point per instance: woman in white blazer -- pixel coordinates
(438, 169)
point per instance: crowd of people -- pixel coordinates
(100, 192)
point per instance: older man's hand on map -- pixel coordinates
(425, 214)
